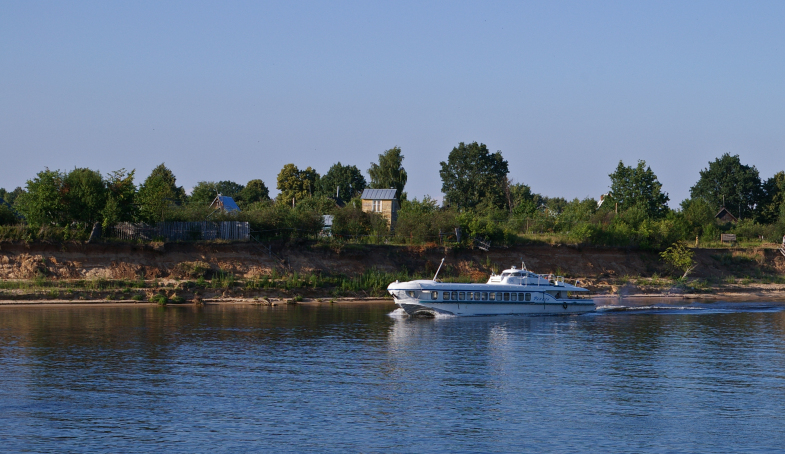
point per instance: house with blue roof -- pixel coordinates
(225, 204)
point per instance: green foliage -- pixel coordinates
(120, 198)
(347, 179)
(84, 195)
(10, 197)
(730, 183)
(421, 221)
(7, 215)
(158, 194)
(203, 193)
(679, 258)
(254, 191)
(351, 222)
(318, 204)
(638, 187)
(43, 202)
(472, 176)
(296, 184)
(521, 200)
(160, 299)
(389, 172)
(280, 221)
(772, 206)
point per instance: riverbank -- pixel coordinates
(183, 273)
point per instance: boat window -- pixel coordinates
(469, 296)
(492, 296)
(505, 274)
(484, 296)
(446, 296)
(434, 295)
(477, 296)
(455, 295)
(410, 293)
(513, 297)
(461, 296)
(528, 297)
(506, 297)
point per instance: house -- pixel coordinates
(225, 204)
(725, 216)
(381, 201)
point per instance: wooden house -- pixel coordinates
(381, 201)
(725, 216)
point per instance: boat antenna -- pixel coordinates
(438, 269)
(523, 265)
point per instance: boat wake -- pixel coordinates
(702, 309)
(400, 313)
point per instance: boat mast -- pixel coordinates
(439, 269)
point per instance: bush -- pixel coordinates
(679, 258)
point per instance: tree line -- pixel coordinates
(481, 200)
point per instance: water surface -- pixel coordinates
(645, 376)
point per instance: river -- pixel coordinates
(653, 376)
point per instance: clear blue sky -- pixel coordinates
(235, 90)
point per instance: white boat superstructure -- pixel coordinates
(514, 291)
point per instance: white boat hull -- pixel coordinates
(429, 308)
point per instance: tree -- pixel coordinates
(638, 187)
(472, 176)
(42, 203)
(120, 198)
(389, 172)
(772, 206)
(679, 258)
(727, 182)
(10, 197)
(205, 191)
(521, 200)
(254, 191)
(347, 179)
(84, 196)
(158, 193)
(296, 184)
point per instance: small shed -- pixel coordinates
(225, 204)
(725, 216)
(381, 201)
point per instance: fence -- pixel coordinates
(182, 231)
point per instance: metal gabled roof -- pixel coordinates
(227, 203)
(379, 194)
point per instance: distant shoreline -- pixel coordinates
(752, 294)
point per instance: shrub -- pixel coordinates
(679, 258)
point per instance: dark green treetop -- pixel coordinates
(254, 191)
(772, 206)
(158, 193)
(42, 203)
(120, 198)
(473, 176)
(84, 195)
(638, 187)
(296, 184)
(347, 179)
(389, 172)
(730, 183)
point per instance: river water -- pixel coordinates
(652, 376)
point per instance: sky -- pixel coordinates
(235, 90)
